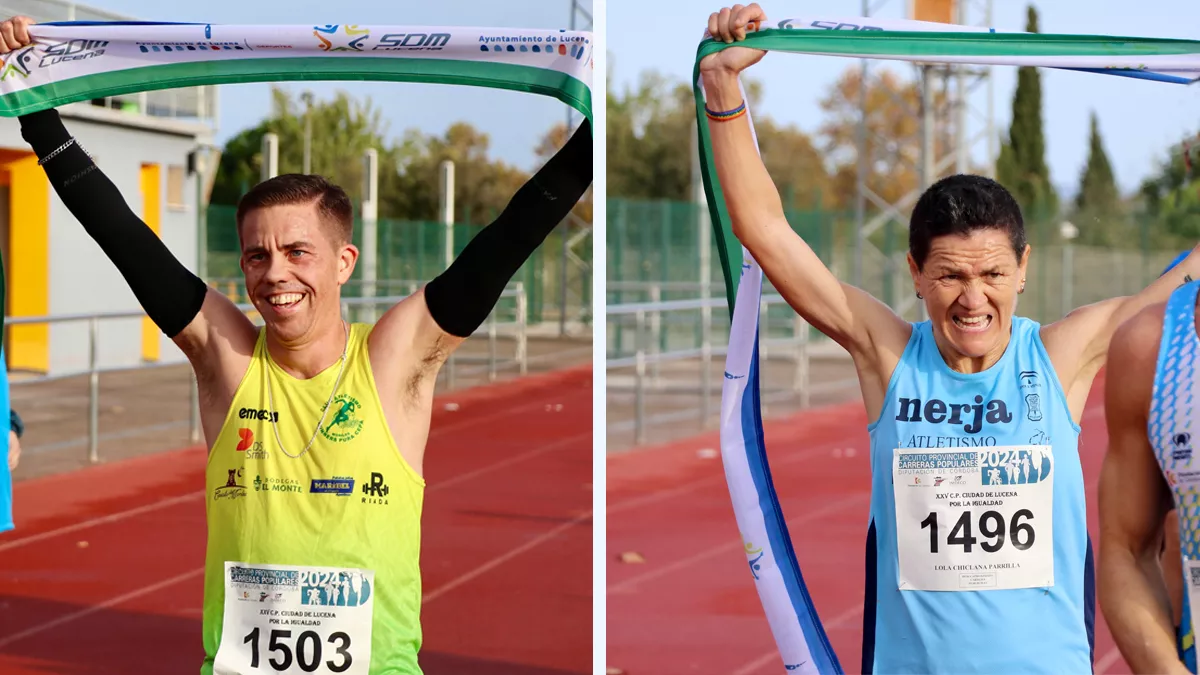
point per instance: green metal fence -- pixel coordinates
(654, 253)
(414, 250)
(659, 241)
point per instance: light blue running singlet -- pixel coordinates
(1172, 416)
(6, 488)
(978, 555)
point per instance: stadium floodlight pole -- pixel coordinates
(200, 169)
(927, 127)
(446, 214)
(928, 156)
(993, 141)
(959, 109)
(370, 224)
(203, 163)
(860, 180)
(1069, 232)
(270, 157)
(204, 166)
(308, 99)
(446, 209)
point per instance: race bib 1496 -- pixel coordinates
(294, 619)
(971, 519)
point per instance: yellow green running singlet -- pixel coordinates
(313, 561)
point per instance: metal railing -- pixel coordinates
(491, 364)
(652, 347)
(647, 286)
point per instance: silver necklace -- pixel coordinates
(324, 413)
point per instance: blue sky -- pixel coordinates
(1138, 120)
(514, 121)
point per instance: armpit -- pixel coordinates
(426, 368)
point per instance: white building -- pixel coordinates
(144, 143)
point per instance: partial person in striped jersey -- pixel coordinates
(1149, 524)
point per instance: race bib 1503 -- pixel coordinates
(293, 619)
(973, 519)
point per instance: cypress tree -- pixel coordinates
(1021, 166)
(1097, 187)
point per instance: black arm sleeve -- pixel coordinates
(15, 423)
(461, 298)
(169, 293)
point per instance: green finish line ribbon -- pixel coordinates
(80, 61)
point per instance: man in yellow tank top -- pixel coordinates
(316, 428)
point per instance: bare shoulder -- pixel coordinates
(394, 336)
(887, 335)
(1134, 495)
(1139, 337)
(219, 341)
(883, 334)
(1073, 332)
(1132, 359)
(1078, 343)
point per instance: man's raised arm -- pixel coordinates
(169, 292)
(171, 295)
(432, 323)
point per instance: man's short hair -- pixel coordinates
(332, 202)
(960, 205)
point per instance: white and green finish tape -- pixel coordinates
(80, 61)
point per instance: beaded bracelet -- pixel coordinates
(726, 116)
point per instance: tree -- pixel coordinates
(482, 188)
(795, 165)
(343, 129)
(1098, 210)
(1021, 166)
(893, 141)
(409, 170)
(1170, 199)
(1097, 187)
(650, 145)
(649, 140)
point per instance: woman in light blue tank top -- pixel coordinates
(978, 533)
(978, 555)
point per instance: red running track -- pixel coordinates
(691, 606)
(104, 571)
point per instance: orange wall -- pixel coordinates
(28, 269)
(151, 182)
